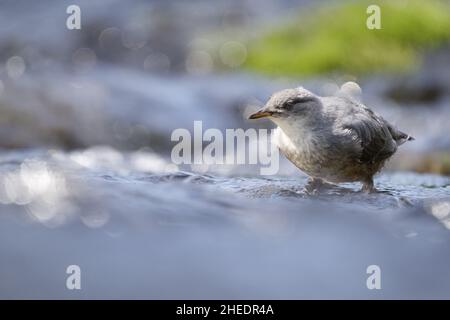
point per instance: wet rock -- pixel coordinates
(428, 85)
(416, 92)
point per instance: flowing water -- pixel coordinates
(154, 232)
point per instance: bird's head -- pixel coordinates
(289, 104)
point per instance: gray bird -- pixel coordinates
(332, 139)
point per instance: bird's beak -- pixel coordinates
(263, 113)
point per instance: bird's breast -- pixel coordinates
(301, 148)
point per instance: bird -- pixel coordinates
(333, 139)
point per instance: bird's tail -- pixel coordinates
(402, 137)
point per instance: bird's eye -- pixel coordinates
(289, 104)
(298, 100)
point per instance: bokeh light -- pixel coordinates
(233, 53)
(40, 189)
(109, 38)
(134, 36)
(199, 63)
(441, 211)
(15, 67)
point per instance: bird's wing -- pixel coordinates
(375, 141)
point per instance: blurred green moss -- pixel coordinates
(336, 39)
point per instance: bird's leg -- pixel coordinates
(313, 186)
(368, 186)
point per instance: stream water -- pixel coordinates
(155, 232)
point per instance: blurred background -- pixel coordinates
(85, 171)
(137, 71)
